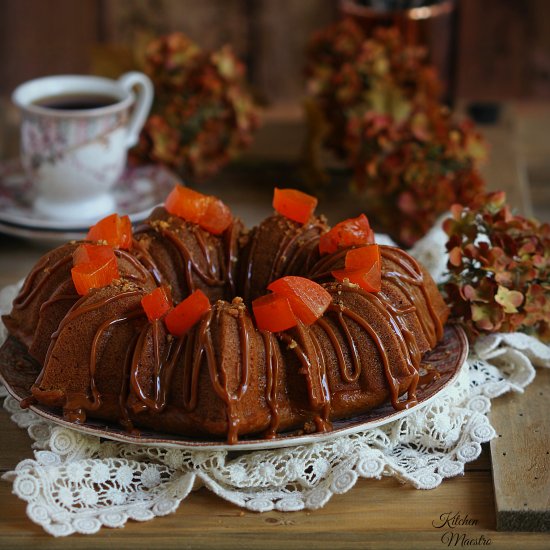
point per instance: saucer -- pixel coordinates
(47, 237)
(136, 193)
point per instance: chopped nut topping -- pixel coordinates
(309, 427)
(159, 225)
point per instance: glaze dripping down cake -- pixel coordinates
(208, 358)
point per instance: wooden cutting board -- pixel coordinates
(520, 456)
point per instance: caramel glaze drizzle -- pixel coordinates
(191, 265)
(214, 276)
(273, 369)
(435, 332)
(144, 273)
(124, 418)
(283, 261)
(289, 252)
(192, 350)
(58, 298)
(158, 402)
(28, 291)
(202, 346)
(188, 353)
(314, 370)
(322, 269)
(95, 402)
(405, 338)
(248, 271)
(74, 406)
(230, 240)
(147, 260)
(30, 287)
(412, 275)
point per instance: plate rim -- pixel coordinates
(39, 235)
(56, 226)
(252, 444)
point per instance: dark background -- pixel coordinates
(501, 47)
(498, 60)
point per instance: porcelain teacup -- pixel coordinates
(75, 134)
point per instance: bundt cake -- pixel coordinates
(107, 354)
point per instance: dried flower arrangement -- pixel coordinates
(499, 269)
(378, 101)
(203, 114)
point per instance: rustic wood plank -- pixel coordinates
(521, 458)
(358, 519)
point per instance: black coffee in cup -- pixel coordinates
(74, 102)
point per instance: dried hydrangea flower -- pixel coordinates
(203, 114)
(378, 103)
(499, 269)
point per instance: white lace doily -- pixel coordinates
(78, 483)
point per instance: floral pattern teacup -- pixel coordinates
(74, 154)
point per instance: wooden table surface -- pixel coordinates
(375, 513)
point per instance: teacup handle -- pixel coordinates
(143, 103)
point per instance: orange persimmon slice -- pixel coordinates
(157, 303)
(294, 204)
(186, 203)
(363, 258)
(115, 230)
(217, 217)
(94, 267)
(273, 312)
(307, 299)
(207, 211)
(369, 279)
(187, 313)
(92, 253)
(350, 232)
